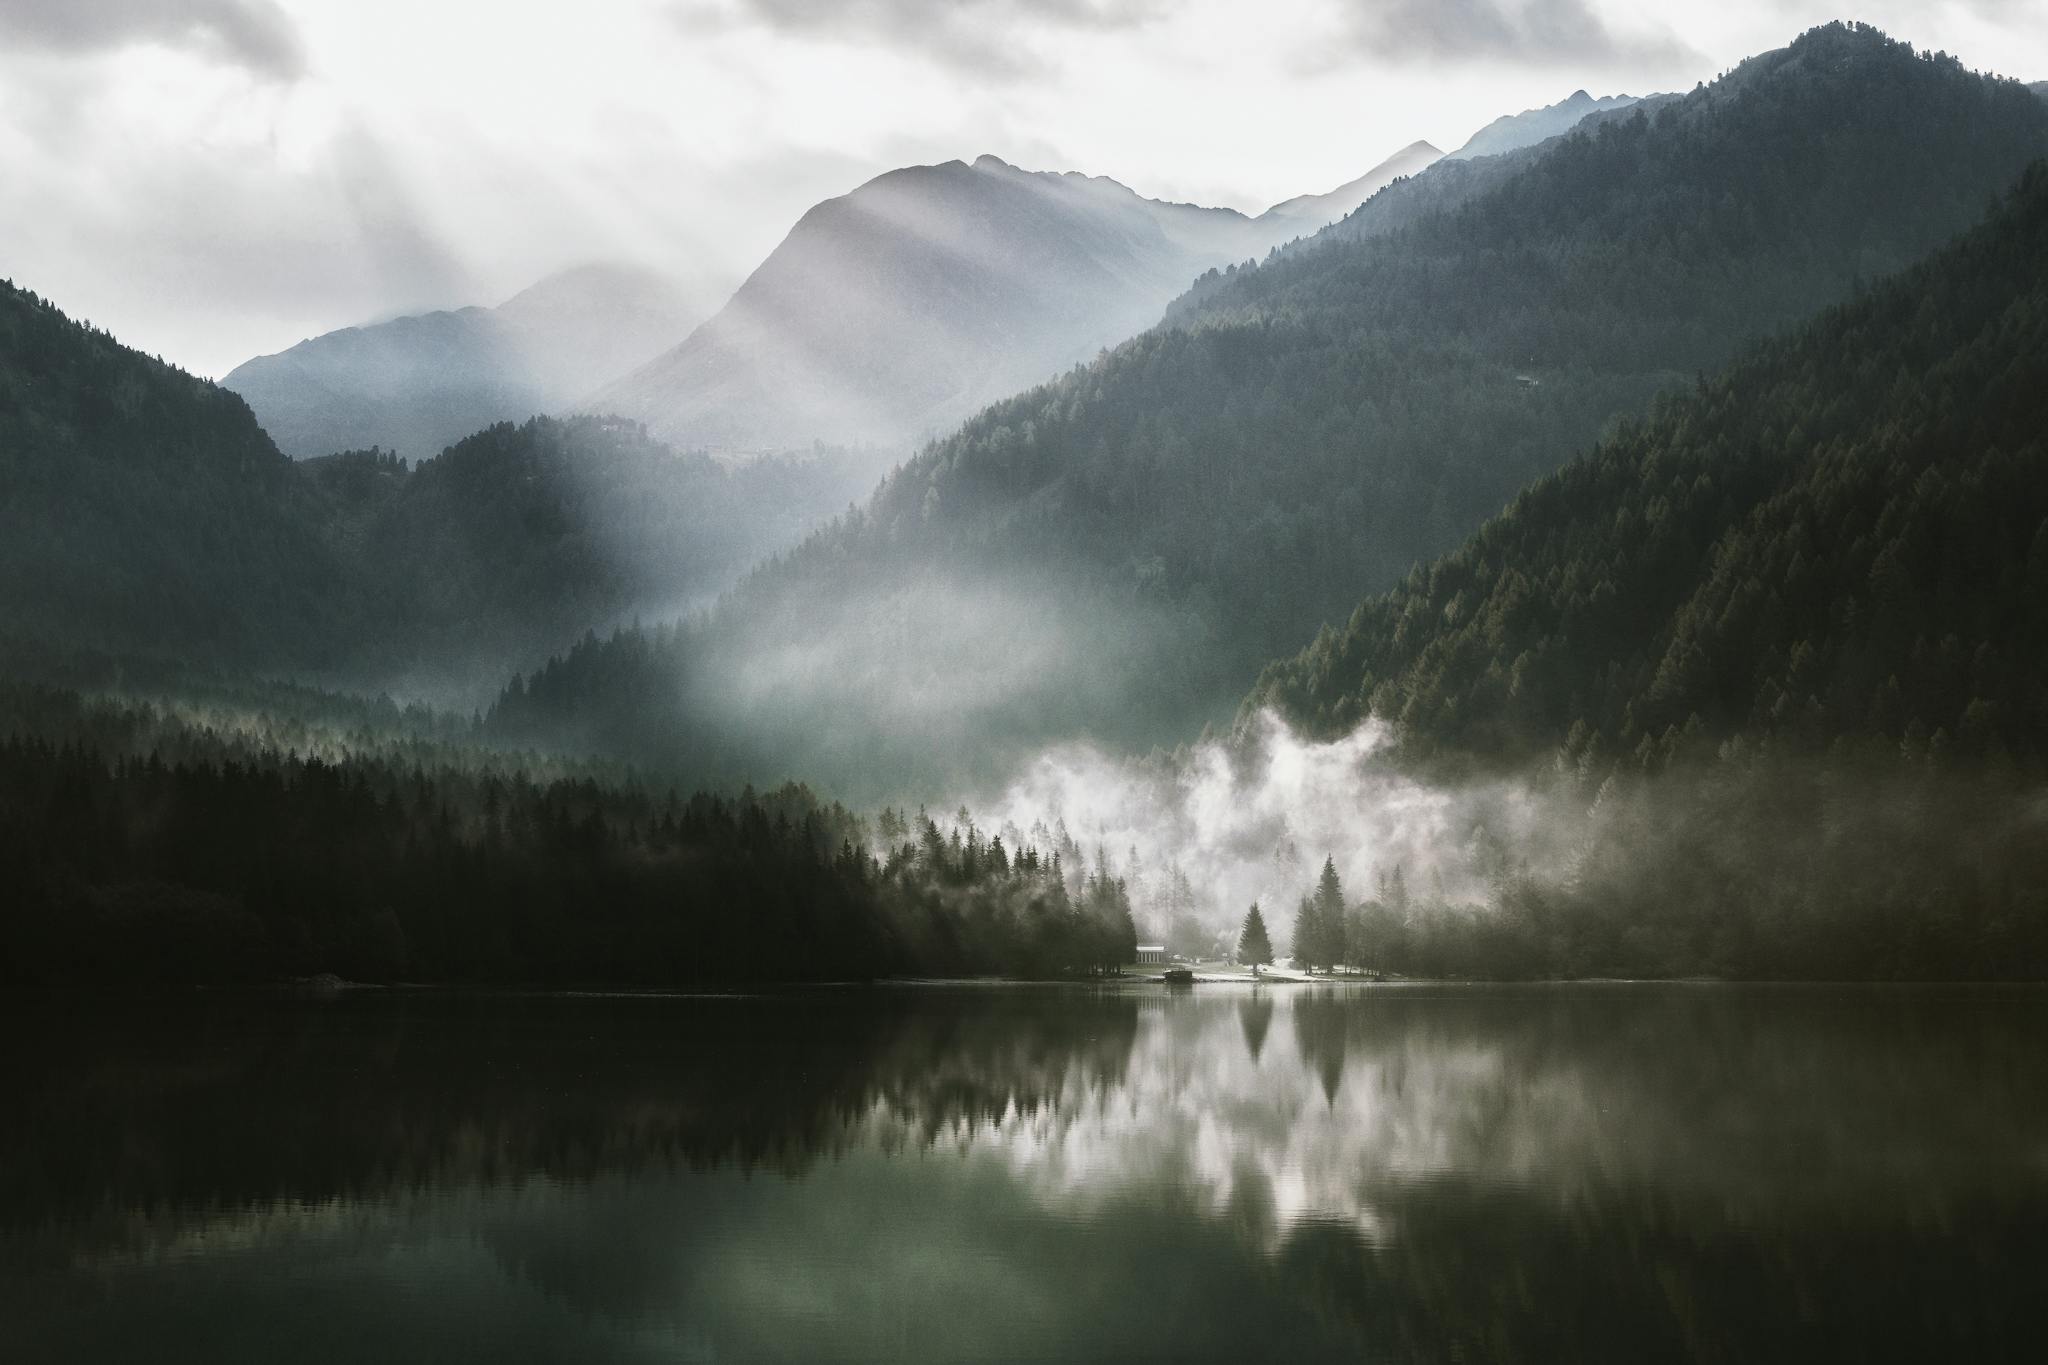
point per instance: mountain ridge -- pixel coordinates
(890, 313)
(1511, 132)
(1321, 422)
(1317, 211)
(420, 382)
(1844, 535)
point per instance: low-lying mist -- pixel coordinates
(1253, 818)
(877, 683)
(1731, 860)
(880, 682)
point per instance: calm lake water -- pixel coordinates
(1635, 1173)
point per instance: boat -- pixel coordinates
(1179, 976)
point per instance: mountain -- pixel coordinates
(144, 509)
(585, 326)
(413, 384)
(1118, 552)
(1756, 683)
(1448, 183)
(1510, 132)
(147, 516)
(516, 540)
(418, 384)
(889, 314)
(1843, 536)
(1311, 213)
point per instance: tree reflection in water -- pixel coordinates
(1418, 1173)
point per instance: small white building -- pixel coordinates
(1151, 954)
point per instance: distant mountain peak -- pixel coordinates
(891, 312)
(1315, 211)
(420, 382)
(589, 278)
(1511, 132)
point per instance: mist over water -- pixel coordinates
(1733, 860)
(1252, 818)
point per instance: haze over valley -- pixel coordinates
(732, 680)
(1132, 457)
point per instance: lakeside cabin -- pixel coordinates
(1152, 955)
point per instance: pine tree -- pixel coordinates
(1254, 947)
(1326, 917)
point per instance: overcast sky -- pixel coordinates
(215, 179)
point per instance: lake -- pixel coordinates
(961, 1173)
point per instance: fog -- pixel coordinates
(1253, 817)
(1735, 859)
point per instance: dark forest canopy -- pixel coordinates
(143, 509)
(145, 845)
(137, 847)
(1843, 537)
(1162, 522)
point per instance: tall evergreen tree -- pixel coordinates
(1327, 916)
(1254, 947)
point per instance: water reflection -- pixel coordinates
(1414, 1173)
(1255, 1015)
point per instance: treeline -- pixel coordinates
(232, 862)
(967, 904)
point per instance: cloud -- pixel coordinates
(1517, 31)
(253, 34)
(989, 37)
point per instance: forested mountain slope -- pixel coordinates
(1844, 536)
(1447, 184)
(144, 509)
(517, 540)
(144, 514)
(1327, 420)
(1118, 552)
(223, 843)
